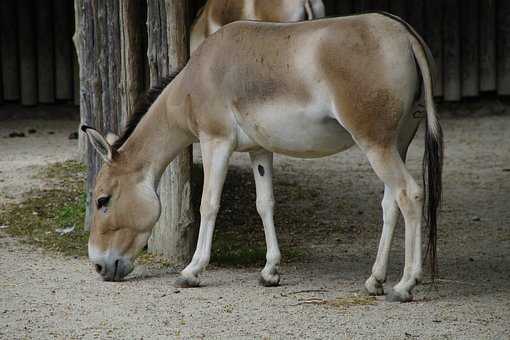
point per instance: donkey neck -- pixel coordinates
(156, 141)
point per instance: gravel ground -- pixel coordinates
(334, 217)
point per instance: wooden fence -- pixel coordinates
(470, 40)
(37, 60)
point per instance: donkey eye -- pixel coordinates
(102, 202)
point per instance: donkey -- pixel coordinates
(307, 89)
(218, 13)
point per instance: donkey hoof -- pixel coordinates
(187, 282)
(396, 296)
(374, 287)
(269, 280)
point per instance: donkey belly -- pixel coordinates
(303, 135)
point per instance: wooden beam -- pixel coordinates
(415, 12)
(434, 37)
(469, 48)
(503, 49)
(97, 39)
(381, 5)
(9, 50)
(44, 37)
(399, 8)
(360, 6)
(342, 7)
(62, 29)
(451, 48)
(174, 236)
(133, 55)
(27, 52)
(488, 45)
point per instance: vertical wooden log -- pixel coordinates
(434, 37)
(97, 39)
(469, 48)
(27, 53)
(174, 236)
(44, 36)
(76, 79)
(63, 54)
(488, 45)
(415, 12)
(360, 6)
(452, 83)
(9, 50)
(1, 77)
(132, 20)
(343, 7)
(399, 8)
(503, 49)
(381, 5)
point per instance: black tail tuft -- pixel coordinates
(432, 182)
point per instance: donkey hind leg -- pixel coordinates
(390, 168)
(262, 165)
(215, 155)
(374, 283)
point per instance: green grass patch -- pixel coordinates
(37, 218)
(233, 249)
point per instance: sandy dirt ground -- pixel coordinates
(336, 219)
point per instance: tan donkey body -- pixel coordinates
(218, 13)
(306, 89)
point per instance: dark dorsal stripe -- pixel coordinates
(141, 107)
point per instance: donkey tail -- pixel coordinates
(433, 156)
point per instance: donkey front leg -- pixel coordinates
(262, 165)
(215, 156)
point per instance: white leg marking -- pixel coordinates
(374, 284)
(391, 170)
(215, 155)
(262, 165)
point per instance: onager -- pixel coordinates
(217, 13)
(307, 89)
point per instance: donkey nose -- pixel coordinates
(99, 268)
(114, 270)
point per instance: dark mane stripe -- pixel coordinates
(141, 107)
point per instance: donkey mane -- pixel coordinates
(141, 107)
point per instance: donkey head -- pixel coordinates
(126, 207)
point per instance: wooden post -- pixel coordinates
(503, 35)
(415, 15)
(469, 48)
(434, 37)
(44, 34)
(451, 63)
(9, 49)
(27, 53)
(174, 236)
(488, 45)
(63, 53)
(97, 40)
(381, 5)
(399, 8)
(343, 7)
(133, 54)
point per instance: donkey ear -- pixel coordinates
(111, 138)
(99, 143)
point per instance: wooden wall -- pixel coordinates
(37, 59)
(470, 40)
